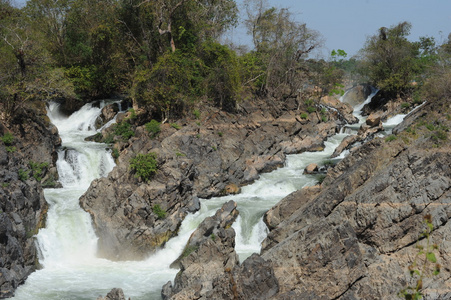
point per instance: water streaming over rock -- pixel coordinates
(67, 245)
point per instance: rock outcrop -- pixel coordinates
(356, 237)
(26, 163)
(114, 294)
(210, 269)
(195, 159)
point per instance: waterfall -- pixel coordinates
(67, 245)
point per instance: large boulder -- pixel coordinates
(357, 95)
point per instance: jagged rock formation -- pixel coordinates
(355, 236)
(114, 294)
(210, 269)
(197, 160)
(22, 205)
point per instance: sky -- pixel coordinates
(346, 24)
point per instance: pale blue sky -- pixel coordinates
(345, 24)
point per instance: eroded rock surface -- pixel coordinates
(199, 159)
(210, 269)
(356, 238)
(22, 205)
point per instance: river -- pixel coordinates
(67, 246)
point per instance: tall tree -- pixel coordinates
(281, 44)
(390, 59)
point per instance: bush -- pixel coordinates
(196, 113)
(23, 174)
(176, 126)
(311, 109)
(161, 213)
(37, 169)
(390, 138)
(124, 130)
(153, 127)
(7, 138)
(145, 165)
(304, 116)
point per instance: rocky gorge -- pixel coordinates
(351, 237)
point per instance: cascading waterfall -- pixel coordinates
(67, 245)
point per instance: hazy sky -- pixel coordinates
(345, 24)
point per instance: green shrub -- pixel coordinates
(176, 126)
(115, 153)
(196, 113)
(220, 134)
(390, 138)
(11, 149)
(153, 127)
(23, 174)
(304, 116)
(430, 127)
(161, 213)
(37, 168)
(180, 154)
(145, 165)
(405, 105)
(440, 135)
(132, 114)
(321, 178)
(109, 139)
(124, 130)
(7, 138)
(311, 109)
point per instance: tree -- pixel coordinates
(281, 44)
(25, 65)
(390, 60)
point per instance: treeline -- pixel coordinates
(167, 57)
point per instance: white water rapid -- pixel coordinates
(67, 245)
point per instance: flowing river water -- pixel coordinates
(67, 246)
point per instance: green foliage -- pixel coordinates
(109, 139)
(124, 130)
(424, 265)
(115, 153)
(220, 133)
(304, 116)
(213, 237)
(392, 62)
(153, 127)
(23, 174)
(7, 138)
(176, 126)
(196, 114)
(390, 138)
(144, 165)
(11, 149)
(161, 213)
(311, 109)
(405, 105)
(37, 169)
(179, 154)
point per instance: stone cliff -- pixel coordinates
(27, 157)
